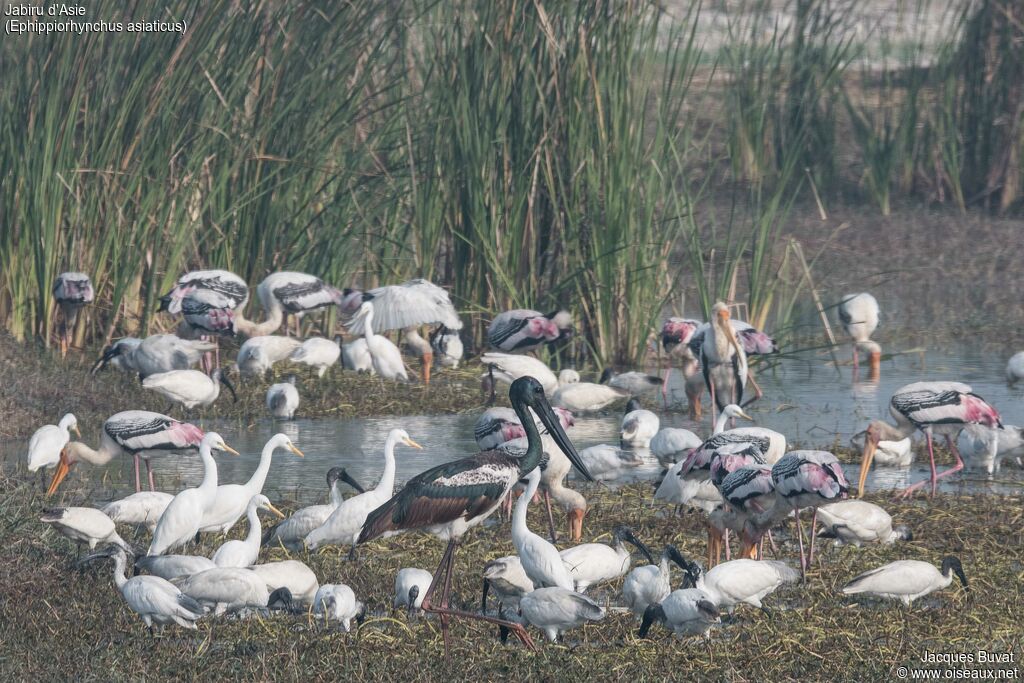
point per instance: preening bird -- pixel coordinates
(556, 610)
(293, 530)
(650, 584)
(242, 553)
(447, 345)
(139, 433)
(232, 500)
(190, 388)
(907, 580)
(685, 612)
(508, 367)
(639, 426)
(337, 602)
(83, 526)
(258, 354)
(141, 509)
(119, 355)
(507, 579)
(283, 399)
(296, 576)
(345, 523)
(296, 294)
(856, 522)
(156, 600)
(318, 353)
(633, 383)
(934, 408)
(741, 581)
(449, 499)
(71, 291)
(48, 441)
(183, 516)
(859, 315)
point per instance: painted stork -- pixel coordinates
(808, 479)
(190, 388)
(496, 426)
(49, 440)
(223, 282)
(539, 558)
(345, 523)
(411, 586)
(451, 498)
(723, 360)
(154, 354)
(71, 291)
(741, 581)
(1015, 368)
(283, 399)
(676, 334)
(226, 590)
(156, 600)
(749, 492)
(386, 358)
(291, 531)
(753, 341)
(338, 602)
(407, 307)
(258, 354)
(856, 522)
(83, 526)
(556, 610)
(171, 567)
(593, 563)
(522, 330)
(318, 353)
(139, 433)
(296, 294)
(638, 427)
(244, 552)
(907, 580)
(141, 509)
(934, 408)
(209, 313)
(650, 584)
(858, 314)
(232, 500)
(181, 520)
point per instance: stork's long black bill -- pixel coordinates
(550, 420)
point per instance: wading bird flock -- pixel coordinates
(742, 480)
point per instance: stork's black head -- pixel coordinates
(951, 563)
(528, 392)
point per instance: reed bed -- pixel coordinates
(59, 622)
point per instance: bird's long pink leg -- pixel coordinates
(814, 522)
(138, 482)
(931, 454)
(714, 402)
(664, 385)
(800, 536)
(757, 390)
(855, 358)
(149, 471)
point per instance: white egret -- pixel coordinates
(242, 553)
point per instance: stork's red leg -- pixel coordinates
(800, 537)
(664, 385)
(931, 454)
(138, 482)
(551, 517)
(814, 522)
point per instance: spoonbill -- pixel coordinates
(907, 580)
(859, 315)
(71, 291)
(283, 399)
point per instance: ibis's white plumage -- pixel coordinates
(671, 445)
(142, 509)
(406, 580)
(283, 399)
(507, 579)
(593, 563)
(226, 589)
(337, 602)
(174, 566)
(744, 581)
(293, 530)
(638, 428)
(556, 610)
(83, 525)
(190, 388)
(586, 396)
(318, 353)
(291, 574)
(906, 580)
(857, 522)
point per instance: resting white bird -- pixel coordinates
(232, 500)
(856, 522)
(583, 397)
(1015, 368)
(686, 612)
(406, 307)
(508, 367)
(141, 509)
(183, 516)
(283, 399)
(606, 462)
(507, 579)
(296, 576)
(634, 383)
(650, 584)
(741, 581)
(226, 590)
(671, 445)
(593, 563)
(539, 558)
(639, 426)
(387, 359)
(155, 354)
(355, 355)
(48, 441)
(173, 566)
(291, 531)
(411, 586)
(556, 610)
(338, 602)
(156, 600)
(345, 523)
(190, 388)
(242, 553)
(907, 580)
(317, 352)
(258, 354)
(83, 526)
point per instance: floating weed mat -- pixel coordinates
(57, 622)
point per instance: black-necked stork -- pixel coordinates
(450, 499)
(72, 291)
(135, 432)
(934, 408)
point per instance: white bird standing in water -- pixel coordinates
(72, 291)
(639, 426)
(859, 315)
(242, 553)
(345, 523)
(907, 580)
(283, 399)
(48, 441)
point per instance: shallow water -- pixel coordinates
(806, 398)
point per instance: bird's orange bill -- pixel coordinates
(63, 467)
(576, 524)
(295, 449)
(865, 464)
(409, 442)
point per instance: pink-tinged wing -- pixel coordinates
(565, 417)
(186, 435)
(978, 411)
(697, 459)
(139, 430)
(757, 342)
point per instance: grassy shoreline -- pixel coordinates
(60, 623)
